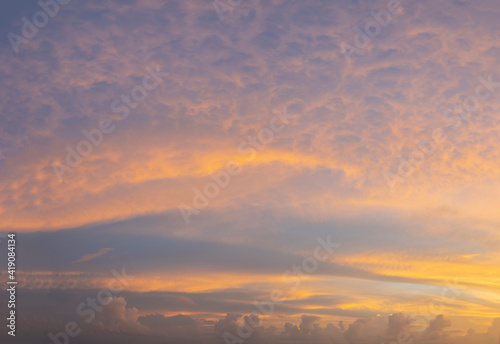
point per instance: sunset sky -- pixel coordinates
(210, 150)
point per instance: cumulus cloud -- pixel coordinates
(177, 326)
(373, 330)
(228, 323)
(117, 317)
(397, 323)
(435, 331)
(492, 336)
(119, 322)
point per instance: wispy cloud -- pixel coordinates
(91, 256)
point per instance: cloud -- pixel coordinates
(435, 331)
(228, 323)
(116, 317)
(120, 322)
(397, 323)
(492, 336)
(322, 175)
(91, 256)
(221, 88)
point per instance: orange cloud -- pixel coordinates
(91, 256)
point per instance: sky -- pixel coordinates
(249, 171)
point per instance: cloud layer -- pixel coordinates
(390, 151)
